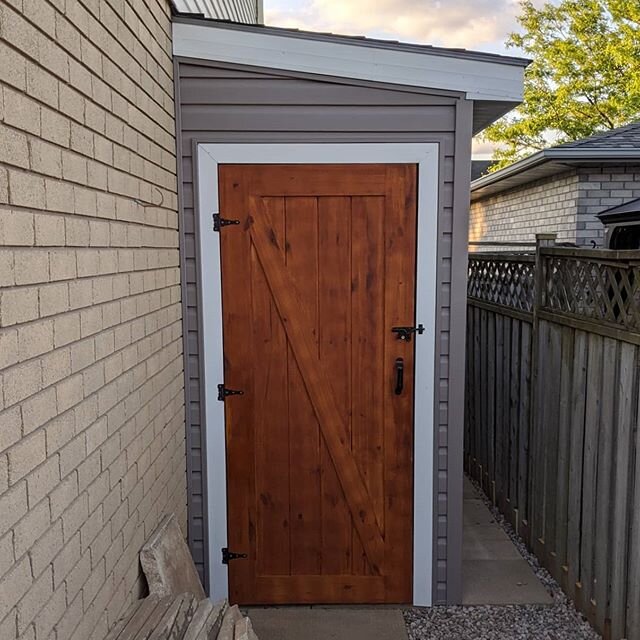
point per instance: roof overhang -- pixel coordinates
(494, 82)
(547, 163)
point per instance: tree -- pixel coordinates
(584, 76)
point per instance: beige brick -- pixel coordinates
(86, 203)
(6, 553)
(9, 624)
(74, 517)
(26, 456)
(89, 470)
(72, 103)
(13, 505)
(45, 158)
(31, 266)
(4, 473)
(82, 354)
(80, 77)
(78, 575)
(55, 127)
(42, 479)
(46, 548)
(4, 176)
(8, 349)
(26, 190)
(10, 427)
(35, 339)
(39, 593)
(59, 196)
(56, 366)
(96, 177)
(69, 392)
(18, 305)
(81, 140)
(14, 149)
(69, 556)
(7, 269)
(88, 264)
(77, 230)
(90, 321)
(21, 112)
(16, 228)
(31, 527)
(60, 431)
(72, 454)
(13, 71)
(38, 410)
(49, 230)
(54, 299)
(42, 85)
(91, 528)
(71, 617)
(62, 264)
(66, 329)
(63, 495)
(21, 381)
(50, 614)
(74, 167)
(14, 585)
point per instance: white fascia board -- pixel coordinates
(478, 79)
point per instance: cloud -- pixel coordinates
(453, 23)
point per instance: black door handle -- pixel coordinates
(399, 375)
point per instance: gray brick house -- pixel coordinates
(561, 189)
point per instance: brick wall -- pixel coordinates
(600, 189)
(517, 215)
(566, 204)
(92, 449)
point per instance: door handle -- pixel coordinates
(399, 366)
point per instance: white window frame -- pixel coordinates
(426, 157)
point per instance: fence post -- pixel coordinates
(533, 519)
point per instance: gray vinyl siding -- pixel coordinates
(231, 104)
(247, 11)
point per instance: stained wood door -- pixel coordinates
(320, 446)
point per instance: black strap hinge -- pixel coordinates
(230, 555)
(404, 333)
(219, 222)
(223, 392)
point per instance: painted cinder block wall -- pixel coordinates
(566, 204)
(92, 444)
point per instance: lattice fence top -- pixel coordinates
(504, 279)
(595, 289)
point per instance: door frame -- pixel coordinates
(426, 157)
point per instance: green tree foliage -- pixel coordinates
(584, 77)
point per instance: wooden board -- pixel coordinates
(319, 447)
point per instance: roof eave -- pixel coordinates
(548, 155)
(480, 77)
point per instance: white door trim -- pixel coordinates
(209, 156)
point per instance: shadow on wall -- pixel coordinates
(477, 223)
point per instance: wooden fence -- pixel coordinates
(553, 379)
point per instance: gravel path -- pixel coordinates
(559, 621)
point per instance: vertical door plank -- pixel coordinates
(367, 376)
(270, 419)
(489, 428)
(301, 250)
(524, 424)
(500, 408)
(239, 411)
(513, 420)
(397, 442)
(334, 325)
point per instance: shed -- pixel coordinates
(324, 197)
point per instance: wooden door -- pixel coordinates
(320, 446)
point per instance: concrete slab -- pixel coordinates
(328, 623)
(493, 571)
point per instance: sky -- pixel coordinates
(471, 24)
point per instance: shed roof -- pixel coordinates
(629, 211)
(494, 82)
(616, 146)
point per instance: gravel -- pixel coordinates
(559, 621)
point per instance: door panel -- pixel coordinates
(319, 448)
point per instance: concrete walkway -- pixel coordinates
(493, 571)
(328, 623)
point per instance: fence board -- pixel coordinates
(554, 431)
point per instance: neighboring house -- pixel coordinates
(561, 190)
(110, 306)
